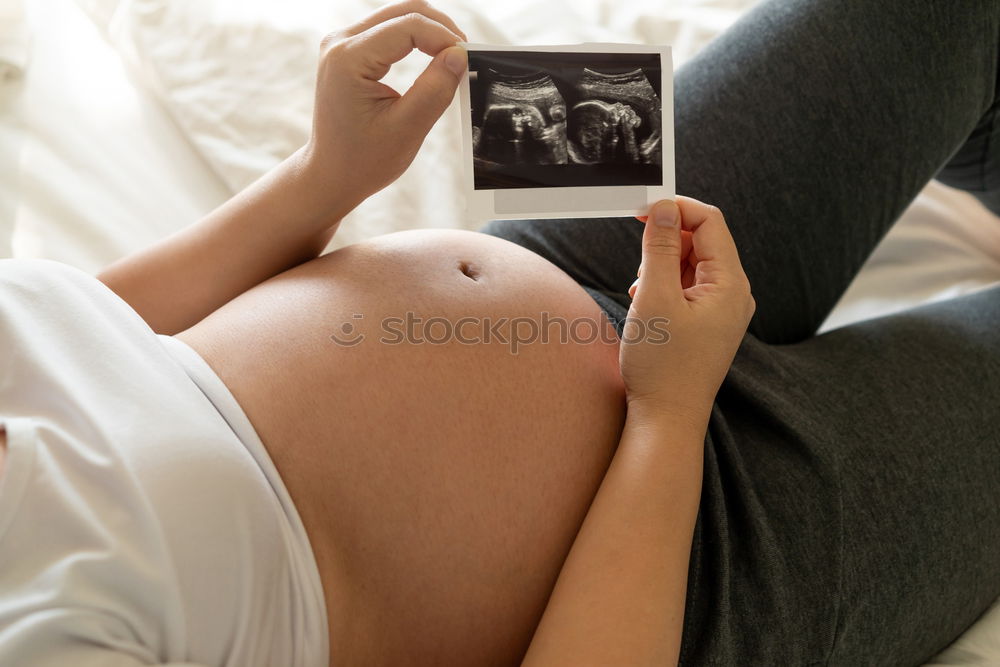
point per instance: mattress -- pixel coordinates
(128, 119)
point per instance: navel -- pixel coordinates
(468, 270)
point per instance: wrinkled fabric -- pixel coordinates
(141, 519)
(850, 511)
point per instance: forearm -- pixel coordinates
(620, 595)
(282, 220)
(364, 135)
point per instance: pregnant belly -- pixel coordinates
(442, 406)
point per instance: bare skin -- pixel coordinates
(441, 485)
(446, 488)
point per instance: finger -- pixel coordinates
(397, 9)
(661, 255)
(686, 247)
(393, 40)
(432, 92)
(688, 276)
(714, 254)
(710, 235)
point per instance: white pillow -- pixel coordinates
(239, 86)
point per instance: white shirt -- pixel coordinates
(141, 519)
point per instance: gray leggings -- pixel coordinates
(851, 505)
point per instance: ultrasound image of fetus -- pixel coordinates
(524, 122)
(604, 133)
(618, 120)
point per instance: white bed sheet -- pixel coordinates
(97, 161)
(93, 166)
(237, 75)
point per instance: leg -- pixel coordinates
(976, 165)
(921, 484)
(852, 493)
(812, 125)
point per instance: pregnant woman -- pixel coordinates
(223, 459)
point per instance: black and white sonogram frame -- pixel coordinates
(582, 130)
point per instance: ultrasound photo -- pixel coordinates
(550, 119)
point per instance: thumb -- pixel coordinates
(433, 90)
(662, 249)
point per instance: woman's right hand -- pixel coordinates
(365, 134)
(692, 286)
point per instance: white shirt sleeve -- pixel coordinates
(100, 658)
(38, 650)
(136, 526)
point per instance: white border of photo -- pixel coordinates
(570, 202)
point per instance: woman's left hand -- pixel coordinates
(691, 306)
(365, 134)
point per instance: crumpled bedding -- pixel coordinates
(91, 165)
(235, 78)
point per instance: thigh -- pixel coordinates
(975, 167)
(812, 125)
(872, 453)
